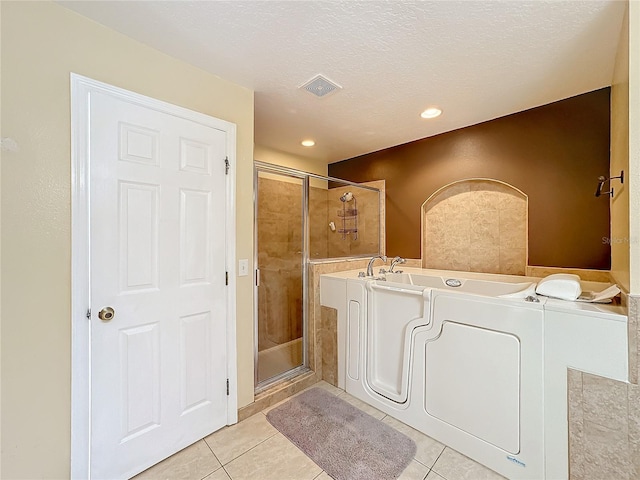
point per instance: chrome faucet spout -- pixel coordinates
(396, 261)
(370, 266)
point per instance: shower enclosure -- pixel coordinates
(300, 217)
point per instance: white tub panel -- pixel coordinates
(353, 334)
(472, 382)
(393, 313)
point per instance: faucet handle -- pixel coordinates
(396, 261)
(382, 271)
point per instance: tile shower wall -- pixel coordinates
(318, 224)
(280, 246)
(476, 225)
(279, 258)
(370, 215)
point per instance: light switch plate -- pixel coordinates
(243, 267)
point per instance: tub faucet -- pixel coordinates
(370, 266)
(396, 261)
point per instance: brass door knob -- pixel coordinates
(106, 314)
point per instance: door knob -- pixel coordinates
(106, 314)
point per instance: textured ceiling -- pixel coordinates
(476, 60)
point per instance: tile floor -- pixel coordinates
(253, 449)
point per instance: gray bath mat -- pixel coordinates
(345, 442)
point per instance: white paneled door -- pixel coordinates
(158, 260)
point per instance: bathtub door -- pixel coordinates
(392, 314)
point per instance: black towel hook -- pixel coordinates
(602, 180)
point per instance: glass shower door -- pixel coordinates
(280, 247)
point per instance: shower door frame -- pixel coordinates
(304, 177)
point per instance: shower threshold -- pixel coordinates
(282, 379)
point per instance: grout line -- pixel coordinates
(434, 463)
(422, 463)
(247, 451)
(211, 473)
(214, 454)
(225, 471)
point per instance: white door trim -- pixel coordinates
(81, 88)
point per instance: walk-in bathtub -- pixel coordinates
(461, 357)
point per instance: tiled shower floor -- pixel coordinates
(255, 450)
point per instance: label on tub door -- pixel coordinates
(513, 459)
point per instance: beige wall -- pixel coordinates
(0, 248)
(634, 145)
(275, 157)
(620, 161)
(41, 44)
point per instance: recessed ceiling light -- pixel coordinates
(431, 112)
(308, 143)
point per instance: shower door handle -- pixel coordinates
(257, 277)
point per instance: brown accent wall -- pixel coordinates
(553, 153)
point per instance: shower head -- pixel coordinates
(346, 197)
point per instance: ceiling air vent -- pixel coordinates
(320, 86)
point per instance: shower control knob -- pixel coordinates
(106, 314)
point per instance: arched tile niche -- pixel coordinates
(476, 225)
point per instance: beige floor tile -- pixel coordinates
(414, 471)
(374, 412)
(434, 476)
(219, 474)
(328, 387)
(455, 466)
(323, 476)
(192, 463)
(233, 441)
(275, 459)
(428, 449)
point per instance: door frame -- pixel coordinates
(81, 90)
